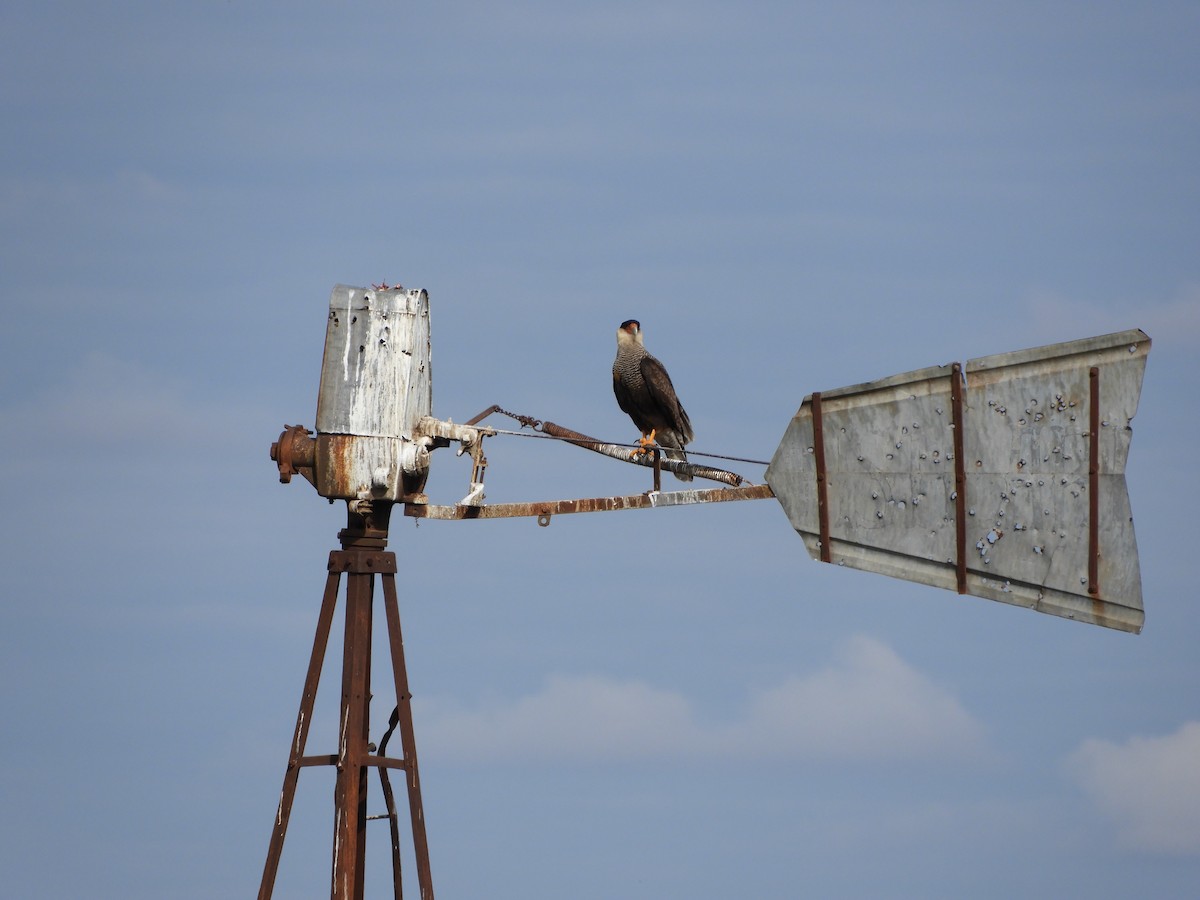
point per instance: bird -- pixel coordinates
(644, 391)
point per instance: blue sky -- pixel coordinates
(790, 198)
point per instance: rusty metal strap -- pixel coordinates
(543, 510)
(1094, 482)
(960, 478)
(358, 562)
(822, 477)
(331, 759)
(325, 759)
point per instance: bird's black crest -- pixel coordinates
(633, 322)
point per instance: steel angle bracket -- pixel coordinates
(1004, 479)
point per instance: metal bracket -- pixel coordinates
(433, 433)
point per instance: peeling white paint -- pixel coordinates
(375, 386)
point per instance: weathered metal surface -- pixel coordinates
(375, 386)
(467, 435)
(999, 503)
(544, 510)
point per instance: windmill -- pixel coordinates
(1002, 478)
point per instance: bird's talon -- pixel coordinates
(645, 443)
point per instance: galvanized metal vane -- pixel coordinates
(1008, 483)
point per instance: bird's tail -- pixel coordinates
(681, 457)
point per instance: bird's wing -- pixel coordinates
(623, 394)
(662, 393)
(630, 405)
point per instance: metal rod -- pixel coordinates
(960, 478)
(1094, 482)
(407, 737)
(475, 420)
(389, 801)
(822, 481)
(300, 737)
(625, 454)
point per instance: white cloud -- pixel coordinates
(1149, 786)
(571, 718)
(869, 704)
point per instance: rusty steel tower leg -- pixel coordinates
(300, 738)
(361, 558)
(350, 790)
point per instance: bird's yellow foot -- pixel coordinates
(645, 443)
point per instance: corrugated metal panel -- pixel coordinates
(1030, 537)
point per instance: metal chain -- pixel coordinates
(526, 421)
